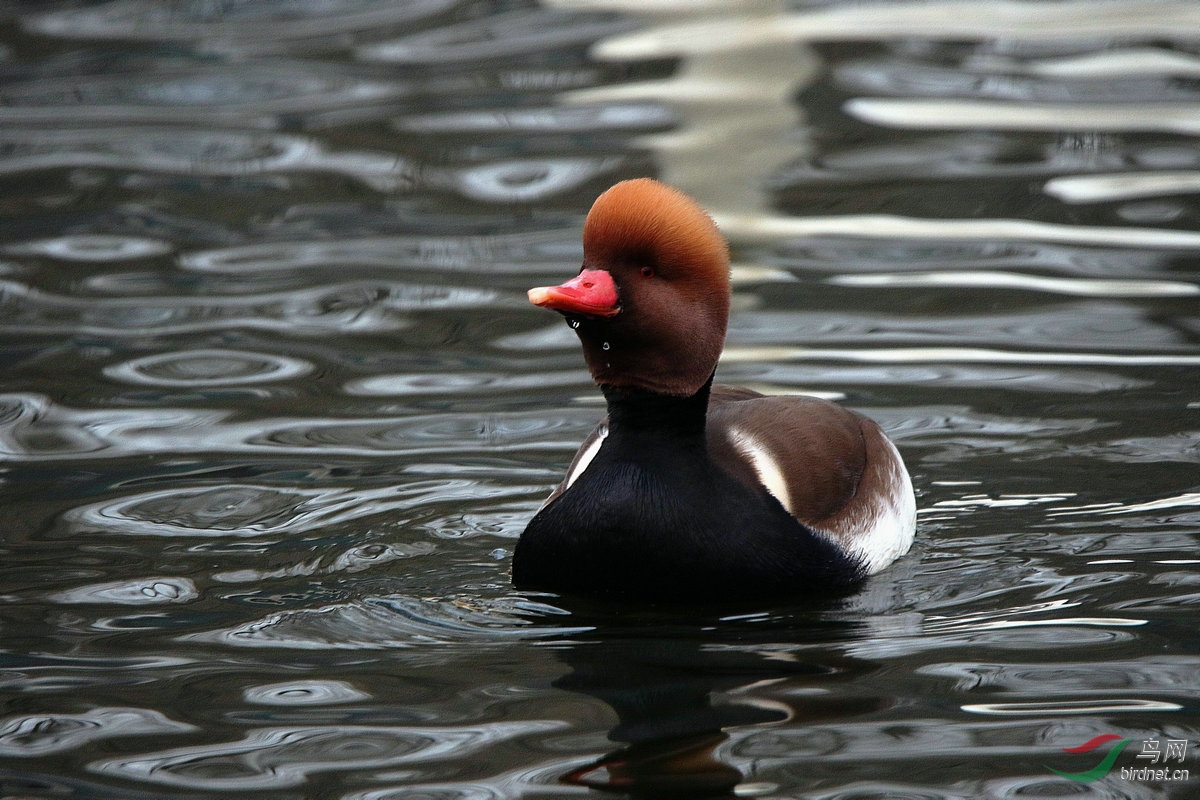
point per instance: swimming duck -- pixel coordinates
(690, 489)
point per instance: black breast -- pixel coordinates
(657, 521)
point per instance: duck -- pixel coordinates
(689, 488)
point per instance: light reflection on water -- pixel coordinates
(274, 409)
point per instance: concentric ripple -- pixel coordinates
(304, 693)
(208, 368)
(249, 94)
(507, 253)
(273, 758)
(141, 592)
(507, 35)
(357, 306)
(38, 735)
(190, 152)
(264, 21)
(236, 510)
(96, 248)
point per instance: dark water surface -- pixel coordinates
(274, 409)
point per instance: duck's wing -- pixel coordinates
(830, 468)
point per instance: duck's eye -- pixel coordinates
(647, 272)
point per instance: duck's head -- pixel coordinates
(651, 302)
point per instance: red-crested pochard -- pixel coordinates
(689, 490)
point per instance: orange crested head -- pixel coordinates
(644, 220)
(651, 302)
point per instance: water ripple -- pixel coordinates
(1174, 674)
(950, 159)
(956, 355)
(264, 21)
(1073, 20)
(587, 118)
(528, 180)
(89, 248)
(463, 383)
(774, 228)
(193, 152)
(977, 279)
(1005, 629)
(253, 94)
(1066, 707)
(1117, 61)
(208, 367)
(1186, 500)
(1181, 118)
(352, 560)
(273, 758)
(248, 510)
(999, 378)
(344, 307)
(1182, 447)
(905, 76)
(34, 428)
(514, 252)
(505, 35)
(393, 623)
(459, 790)
(1073, 332)
(304, 693)
(823, 255)
(138, 592)
(42, 734)
(1122, 186)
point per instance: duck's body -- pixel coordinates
(686, 489)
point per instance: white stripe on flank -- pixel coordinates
(586, 457)
(765, 466)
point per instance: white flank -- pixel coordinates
(893, 521)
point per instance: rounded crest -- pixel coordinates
(670, 267)
(642, 220)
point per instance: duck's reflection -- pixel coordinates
(677, 692)
(683, 767)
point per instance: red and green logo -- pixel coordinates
(1100, 770)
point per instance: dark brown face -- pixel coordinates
(651, 302)
(666, 338)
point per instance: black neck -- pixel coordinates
(645, 411)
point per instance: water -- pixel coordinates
(274, 408)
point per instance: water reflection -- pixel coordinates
(675, 699)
